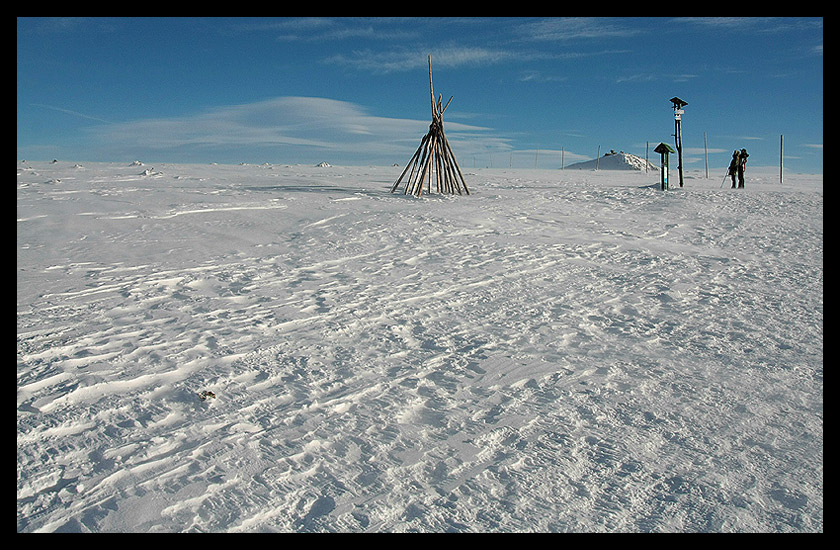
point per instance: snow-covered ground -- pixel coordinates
(559, 351)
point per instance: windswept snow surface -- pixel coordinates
(559, 351)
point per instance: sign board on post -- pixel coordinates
(663, 149)
(678, 112)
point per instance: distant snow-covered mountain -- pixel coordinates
(614, 161)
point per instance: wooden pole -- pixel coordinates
(706, 150)
(426, 168)
(417, 184)
(447, 105)
(458, 168)
(447, 180)
(431, 88)
(413, 159)
(418, 161)
(443, 181)
(447, 154)
(781, 158)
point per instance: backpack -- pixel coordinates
(736, 160)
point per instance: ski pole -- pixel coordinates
(724, 180)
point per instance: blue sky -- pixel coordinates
(355, 91)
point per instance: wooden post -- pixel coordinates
(598, 158)
(781, 158)
(431, 88)
(413, 160)
(458, 168)
(706, 151)
(447, 105)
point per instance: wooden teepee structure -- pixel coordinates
(433, 155)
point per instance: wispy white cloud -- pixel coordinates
(69, 112)
(539, 76)
(321, 29)
(756, 24)
(401, 60)
(637, 77)
(701, 150)
(69, 25)
(410, 40)
(410, 59)
(652, 77)
(576, 28)
(725, 22)
(283, 127)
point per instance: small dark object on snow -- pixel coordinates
(205, 394)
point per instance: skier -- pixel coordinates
(734, 166)
(742, 164)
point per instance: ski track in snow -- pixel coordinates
(556, 352)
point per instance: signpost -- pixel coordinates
(678, 112)
(663, 149)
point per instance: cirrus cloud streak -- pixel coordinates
(288, 129)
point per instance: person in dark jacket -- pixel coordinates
(734, 166)
(742, 165)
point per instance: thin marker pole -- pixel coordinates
(781, 158)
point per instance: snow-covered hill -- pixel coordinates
(559, 351)
(614, 161)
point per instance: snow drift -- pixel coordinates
(292, 348)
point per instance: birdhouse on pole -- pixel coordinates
(663, 149)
